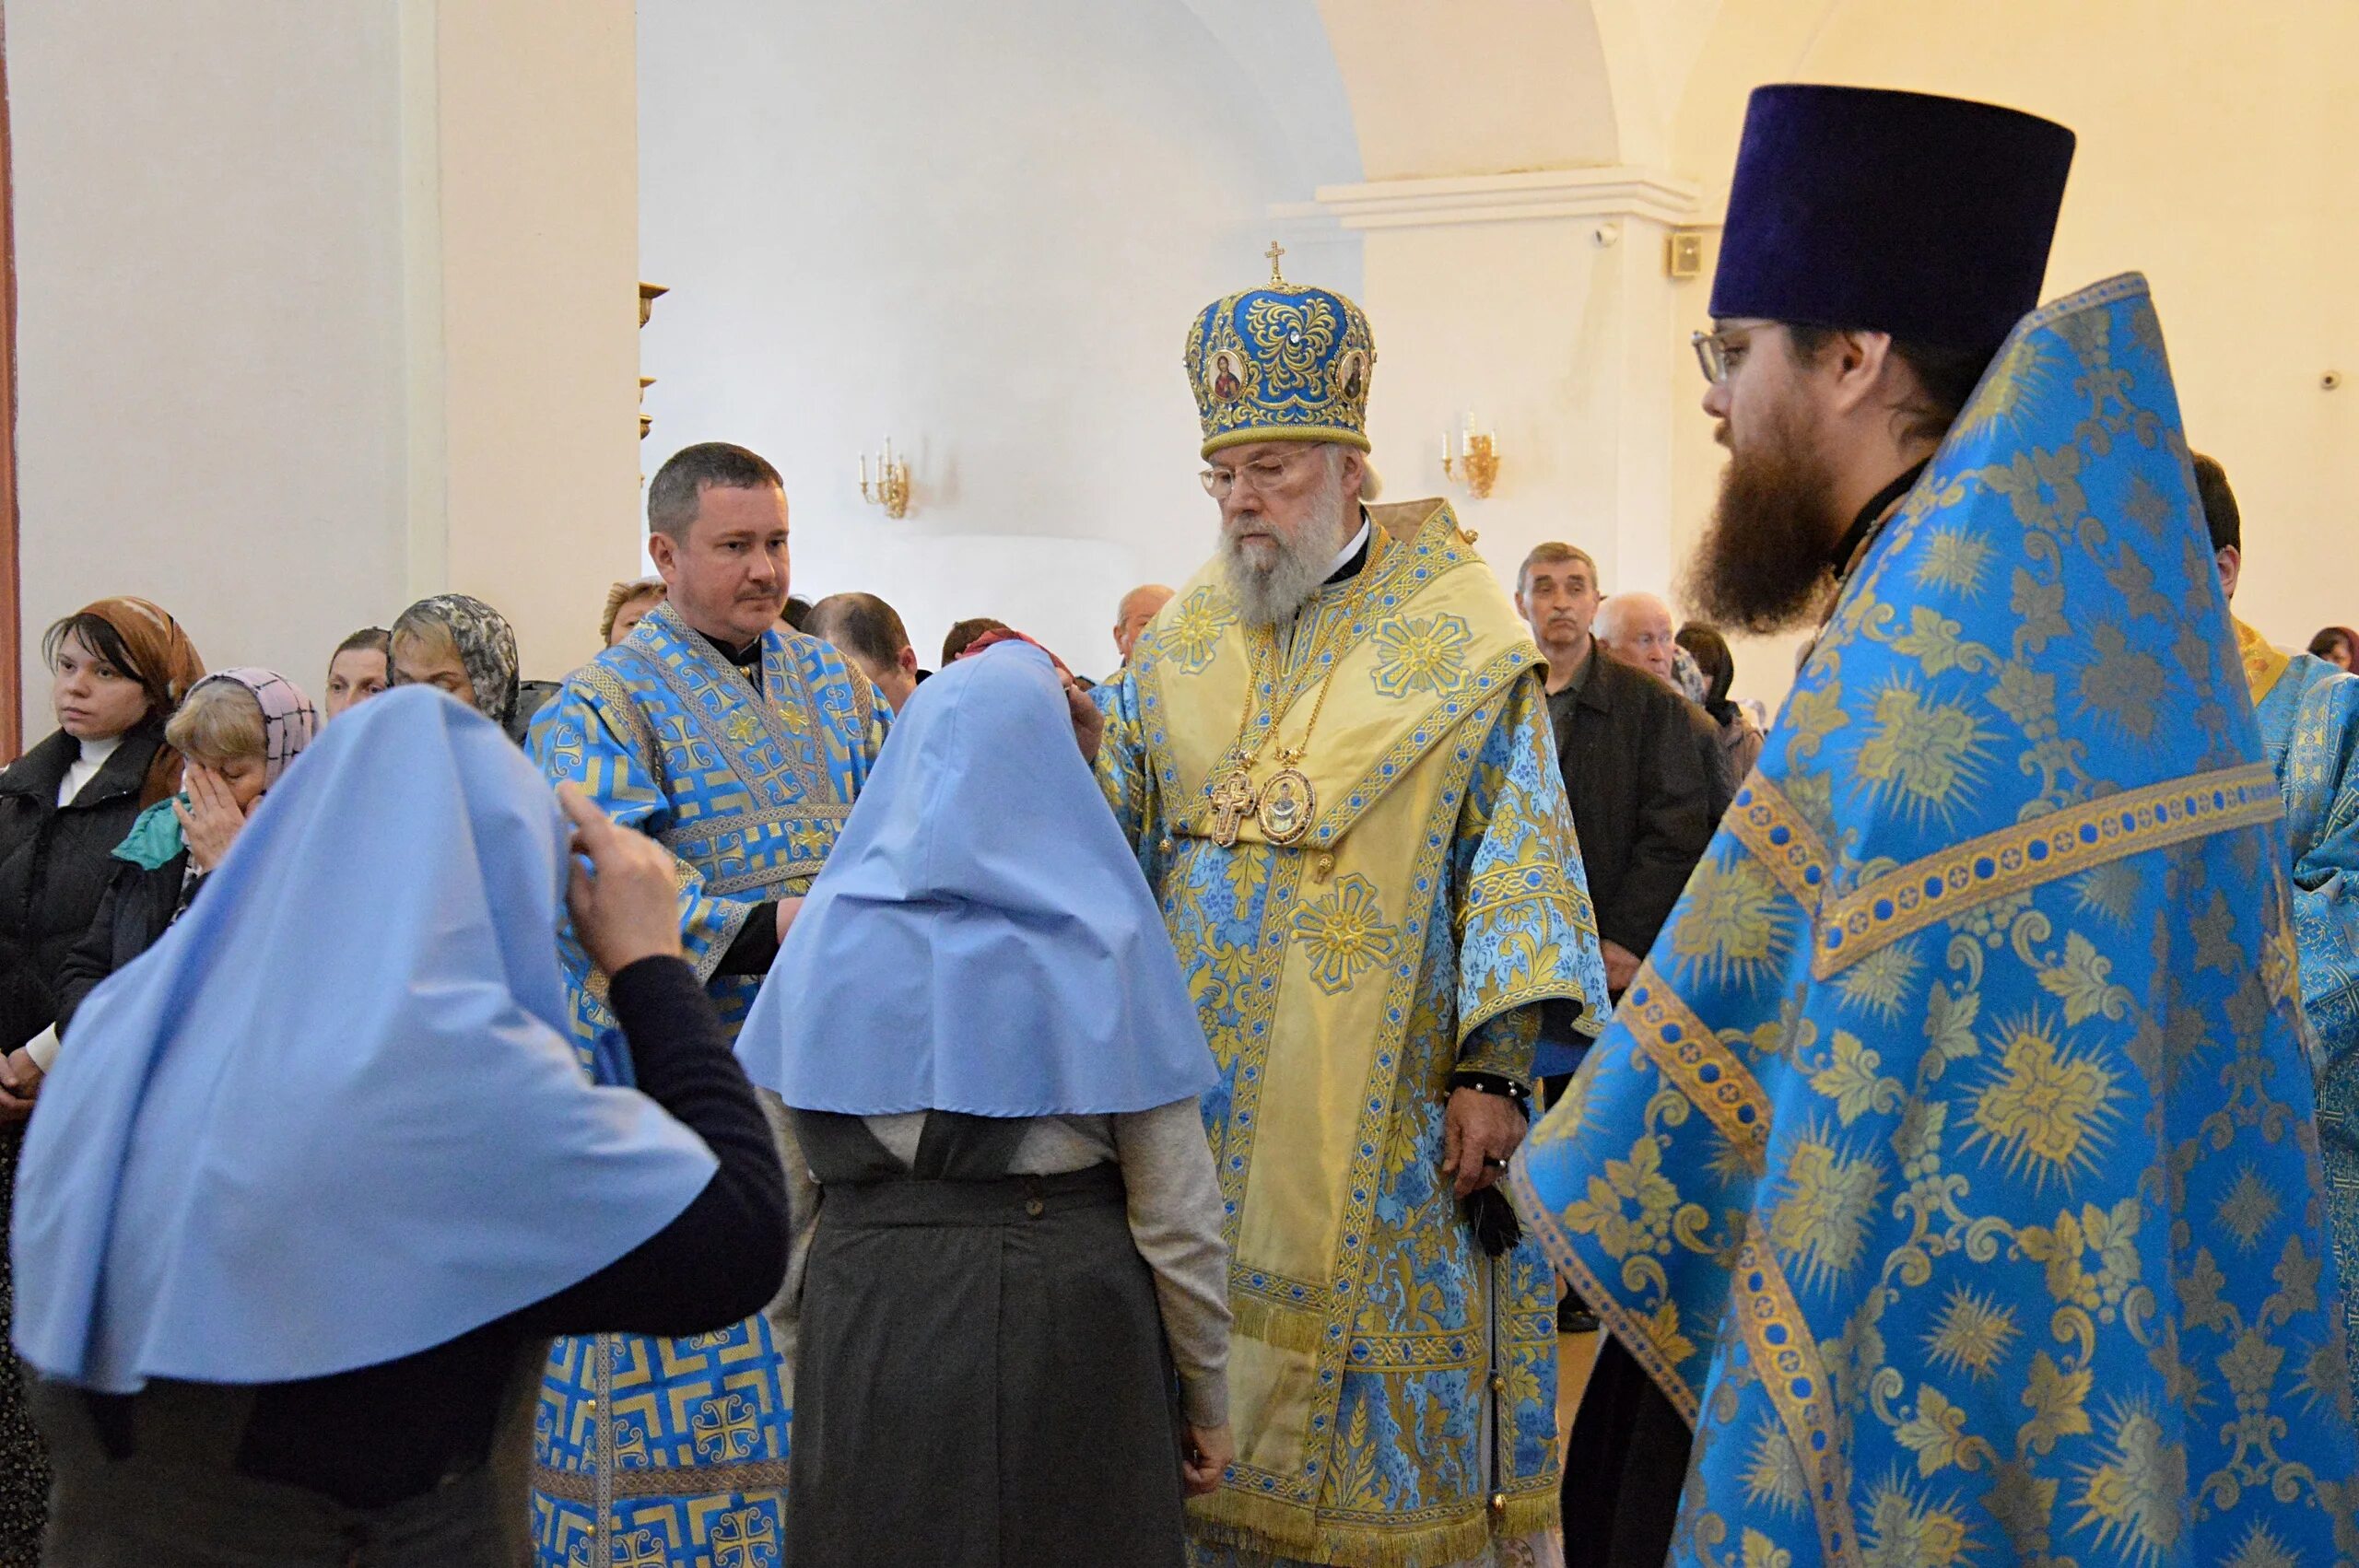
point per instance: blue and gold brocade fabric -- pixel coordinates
(649, 1452)
(2309, 726)
(1392, 1382)
(1951, 1163)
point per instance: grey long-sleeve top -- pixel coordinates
(1174, 1205)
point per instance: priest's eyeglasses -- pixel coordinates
(1720, 353)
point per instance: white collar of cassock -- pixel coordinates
(1343, 557)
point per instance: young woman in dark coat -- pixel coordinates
(119, 669)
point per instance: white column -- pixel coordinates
(1540, 302)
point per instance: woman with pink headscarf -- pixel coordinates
(239, 731)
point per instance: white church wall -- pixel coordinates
(320, 309)
(209, 352)
(983, 230)
(2213, 157)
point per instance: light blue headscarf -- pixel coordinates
(981, 939)
(334, 1117)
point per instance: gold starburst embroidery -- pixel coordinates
(2248, 1209)
(1955, 559)
(1925, 755)
(1972, 1334)
(1821, 1220)
(2137, 1499)
(1733, 920)
(2042, 1108)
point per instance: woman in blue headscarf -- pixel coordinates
(994, 1068)
(322, 1173)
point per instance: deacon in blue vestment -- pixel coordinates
(2309, 726)
(1949, 1166)
(739, 747)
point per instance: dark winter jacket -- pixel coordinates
(138, 909)
(1643, 771)
(55, 865)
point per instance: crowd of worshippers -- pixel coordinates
(761, 1100)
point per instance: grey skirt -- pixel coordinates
(177, 1501)
(983, 1380)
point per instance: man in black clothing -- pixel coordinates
(1635, 758)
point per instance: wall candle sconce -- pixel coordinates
(1475, 458)
(891, 489)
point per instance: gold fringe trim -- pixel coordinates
(1273, 1325)
(1273, 1528)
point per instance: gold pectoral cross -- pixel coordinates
(1233, 798)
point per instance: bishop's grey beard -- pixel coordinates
(1762, 562)
(1270, 593)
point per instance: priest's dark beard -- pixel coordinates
(1762, 565)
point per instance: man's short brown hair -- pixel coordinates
(1550, 554)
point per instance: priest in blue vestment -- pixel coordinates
(1948, 1168)
(2308, 710)
(738, 747)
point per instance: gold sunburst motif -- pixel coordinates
(1773, 1478)
(1903, 1532)
(2043, 1108)
(1954, 558)
(1973, 1333)
(1882, 981)
(1924, 755)
(1733, 920)
(1821, 1220)
(2019, 381)
(2137, 1500)
(2248, 1209)
(2261, 1549)
(2111, 891)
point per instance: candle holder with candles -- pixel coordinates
(891, 489)
(1475, 458)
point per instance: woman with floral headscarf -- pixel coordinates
(239, 731)
(119, 669)
(461, 646)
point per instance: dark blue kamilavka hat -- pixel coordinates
(1926, 217)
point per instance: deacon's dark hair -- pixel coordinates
(963, 633)
(98, 635)
(861, 624)
(688, 472)
(1946, 376)
(375, 639)
(2220, 513)
(797, 612)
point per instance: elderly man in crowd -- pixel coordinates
(864, 630)
(1138, 608)
(1330, 752)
